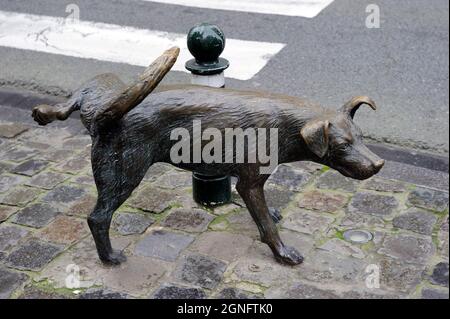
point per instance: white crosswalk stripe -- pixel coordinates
(115, 43)
(298, 8)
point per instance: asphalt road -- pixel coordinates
(403, 65)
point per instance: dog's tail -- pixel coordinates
(130, 97)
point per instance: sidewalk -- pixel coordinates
(177, 249)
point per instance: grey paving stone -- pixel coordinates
(157, 170)
(30, 167)
(372, 294)
(400, 276)
(289, 177)
(235, 293)
(308, 223)
(416, 220)
(335, 181)
(132, 223)
(152, 199)
(9, 282)
(222, 245)
(309, 167)
(300, 290)
(74, 165)
(201, 271)
(368, 203)
(163, 245)
(189, 220)
(408, 248)
(174, 179)
(83, 207)
(10, 236)
(6, 212)
(33, 255)
(322, 202)
(64, 196)
(429, 199)
(170, 291)
(432, 293)
(18, 154)
(36, 215)
(385, 185)
(5, 167)
(19, 196)
(47, 180)
(440, 274)
(344, 248)
(8, 182)
(278, 198)
(99, 293)
(35, 293)
(11, 130)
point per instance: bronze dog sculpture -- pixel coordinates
(130, 131)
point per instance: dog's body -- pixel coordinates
(124, 146)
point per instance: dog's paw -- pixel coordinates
(43, 114)
(289, 256)
(114, 258)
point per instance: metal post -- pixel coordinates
(206, 43)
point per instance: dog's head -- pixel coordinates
(336, 141)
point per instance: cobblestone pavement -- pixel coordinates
(177, 249)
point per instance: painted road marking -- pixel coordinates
(296, 8)
(122, 44)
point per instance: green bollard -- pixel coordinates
(206, 43)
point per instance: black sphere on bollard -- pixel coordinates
(206, 43)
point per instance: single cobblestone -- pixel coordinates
(36, 215)
(30, 167)
(440, 274)
(65, 230)
(64, 196)
(288, 177)
(83, 207)
(20, 196)
(157, 170)
(153, 200)
(33, 255)
(374, 204)
(10, 236)
(18, 154)
(174, 180)
(8, 182)
(335, 181)
(47, 180)
(278, 198)
(385, 185)
(300, 290)
(189, 220)
(170, 291)
(429, 199)
(222, 245)
(6, 212)
(416, 220)
(74, 165)
(9, 282)
(307, 223)
(5, 167)
(433, 293)
(341, 247)
(322, 202)
(408, 248)
(98, 293)
(235, 293)
(163, 245)
(11, 130)
(398, 275)
(201, 271)
(31, 292)
(132, 223)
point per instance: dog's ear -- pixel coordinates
(315, 135)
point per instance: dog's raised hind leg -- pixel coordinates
(254, 198)
(45, 114)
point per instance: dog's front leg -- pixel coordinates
(253, 197)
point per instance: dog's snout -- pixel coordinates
(379, 164)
